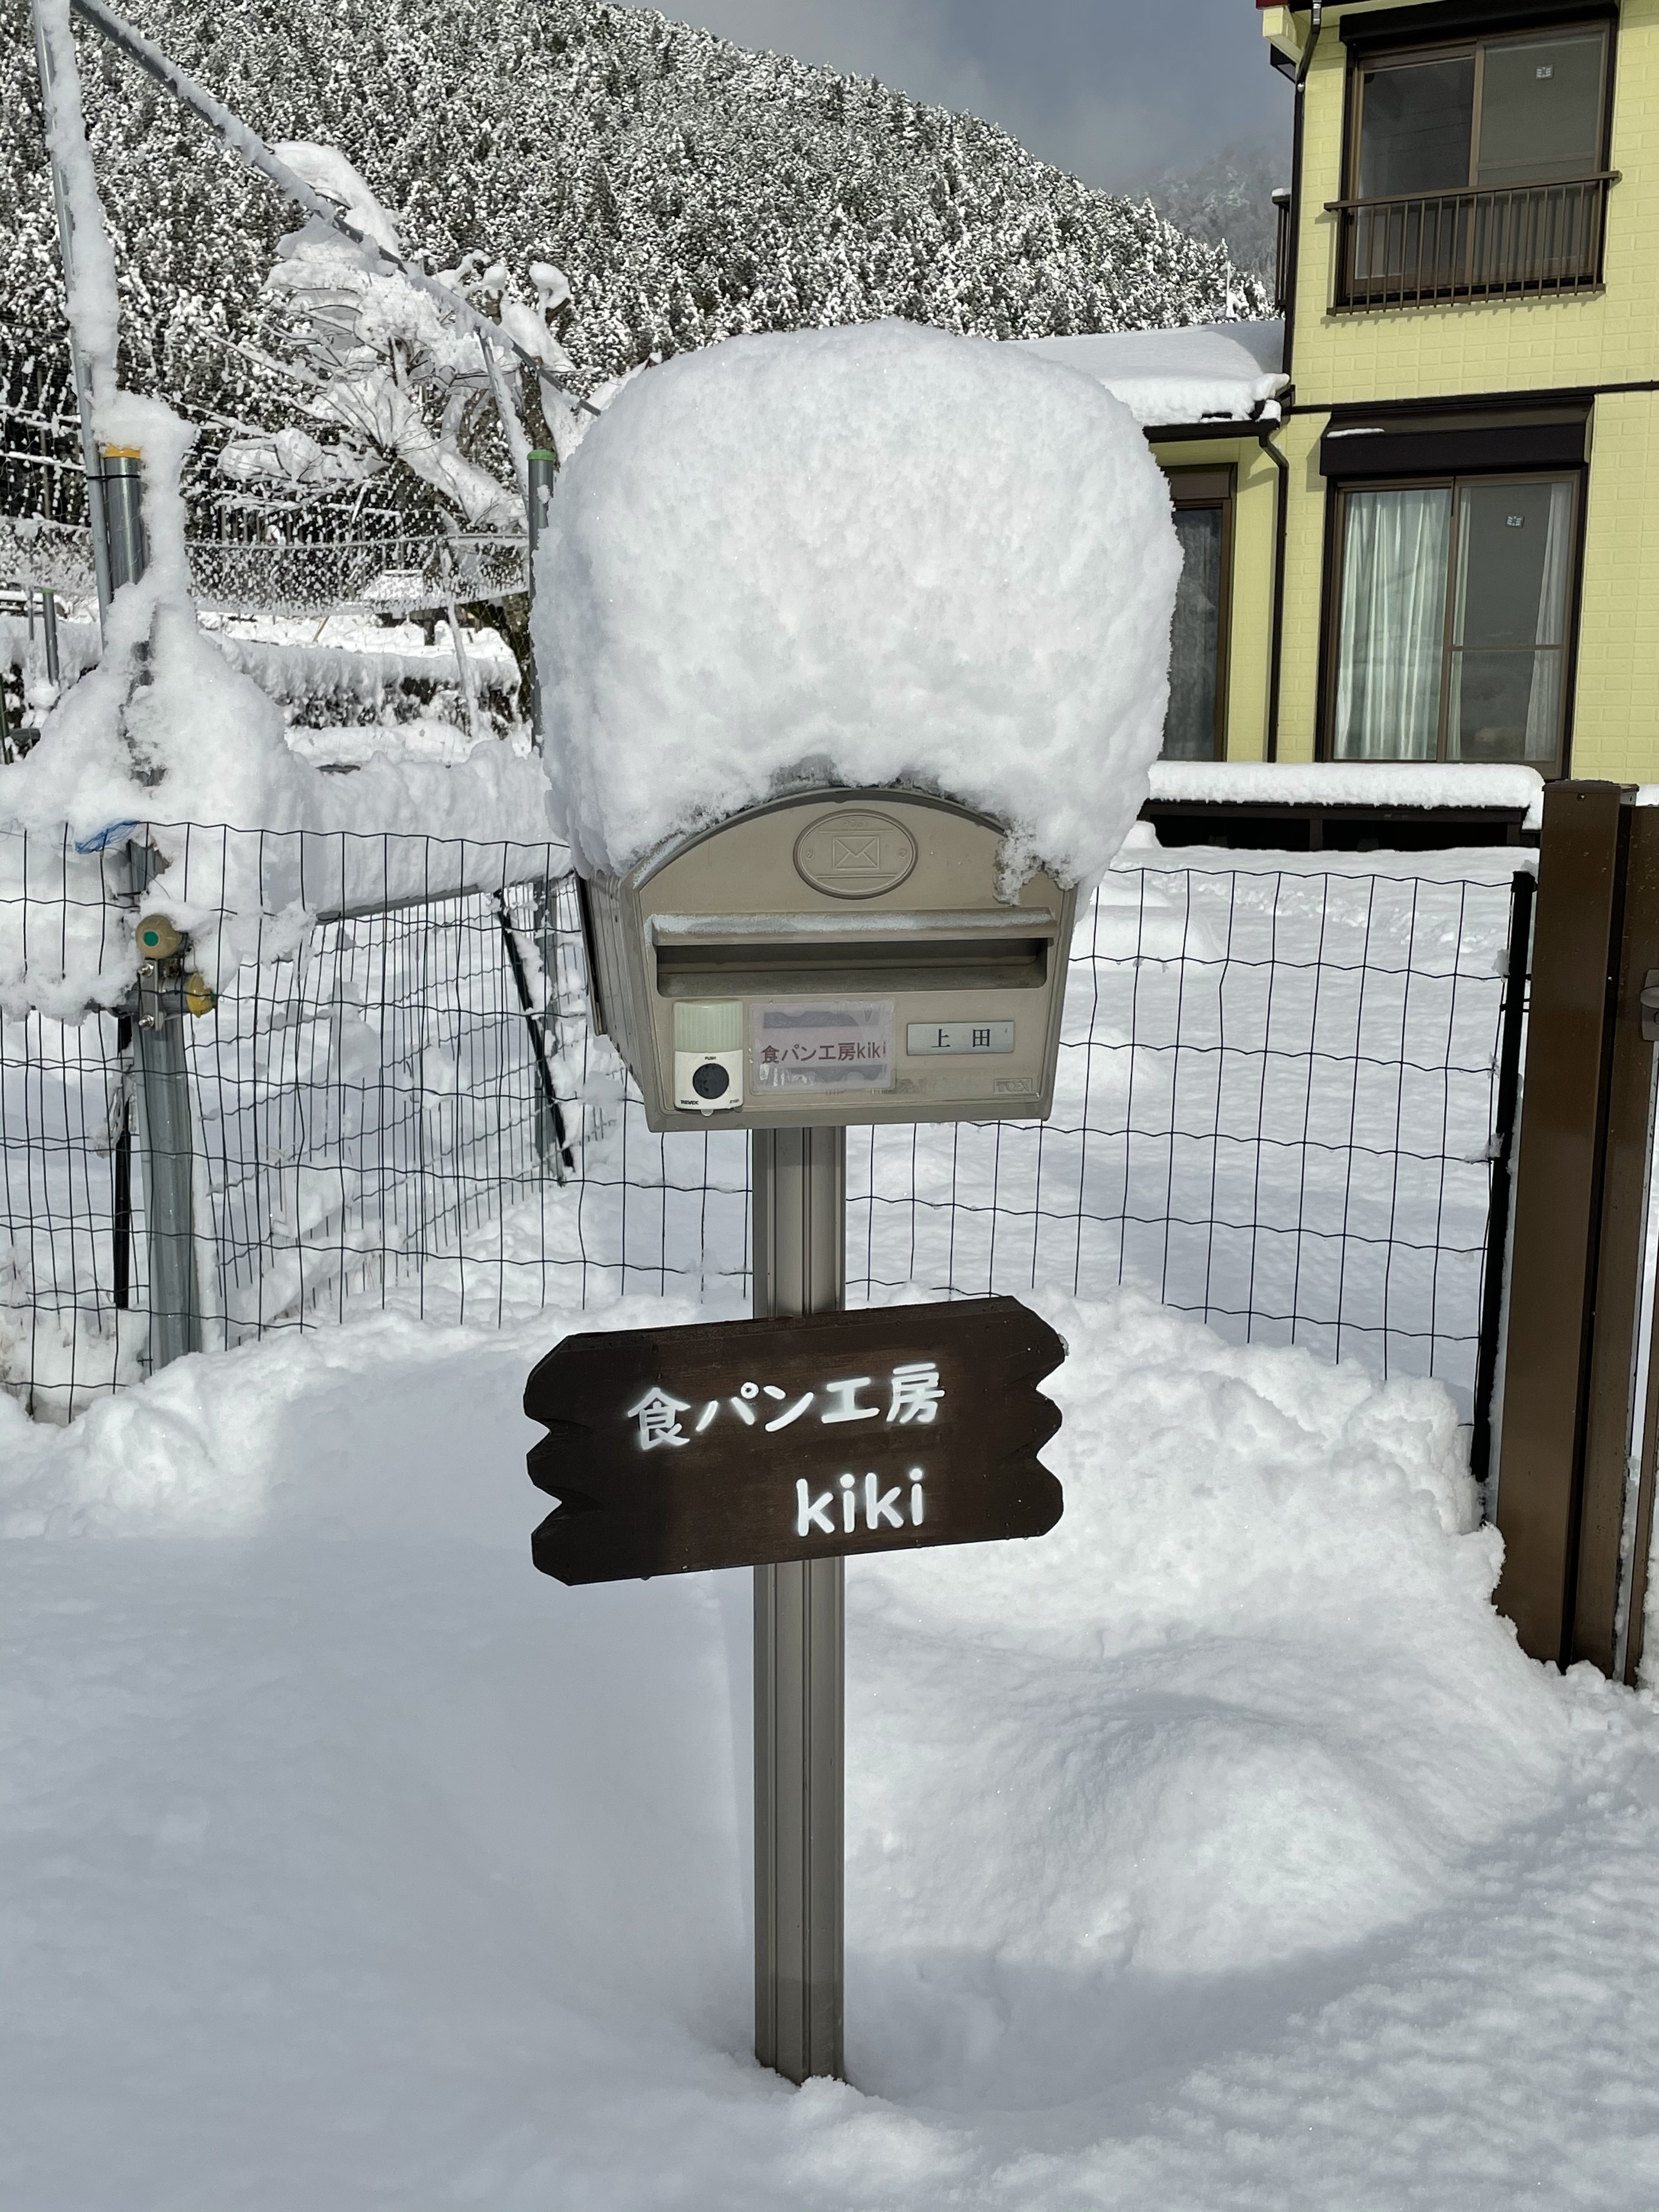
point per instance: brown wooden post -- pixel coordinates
(1611, 1424)
(1581, 891)
(1641, 1546)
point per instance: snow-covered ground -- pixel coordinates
(1219, 1849)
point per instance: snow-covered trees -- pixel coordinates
(1228, 202)
(689, 188)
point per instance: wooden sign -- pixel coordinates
(741, 1443)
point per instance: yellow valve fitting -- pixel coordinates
(199, 994)
(157, 938)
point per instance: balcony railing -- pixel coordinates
(1536, 239)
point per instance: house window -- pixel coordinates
(1195, 725)
(1452, 615)
(1476, 169)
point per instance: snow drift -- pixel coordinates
(1219, 1849)
(867, 556)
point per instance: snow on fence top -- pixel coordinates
(1212, 371)
(1353, 783)
(871, 555)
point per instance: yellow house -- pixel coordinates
(1437, 540)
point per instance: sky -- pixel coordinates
(1116, 91)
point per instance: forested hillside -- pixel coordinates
(689, 189)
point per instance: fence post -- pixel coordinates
(1612, 1435)
(543, 465)
(49, 629)
(799, 1228)
(1647, 1465)
(161, 1084)
(1494, 1275)
(1579, 1225)
(162, 1092)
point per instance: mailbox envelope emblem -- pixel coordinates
(855, 853)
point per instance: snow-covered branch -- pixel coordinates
(396, 371)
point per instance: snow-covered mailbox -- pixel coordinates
(839, 955)
(853, 647)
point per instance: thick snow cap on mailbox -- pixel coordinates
(871, 555)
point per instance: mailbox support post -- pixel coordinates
(799, 1184)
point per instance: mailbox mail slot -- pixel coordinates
(800, 961)
(705, 955)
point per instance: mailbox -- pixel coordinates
(835, 957)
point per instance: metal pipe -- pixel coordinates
(1519, 962)
(551, 1142)
(79, 363)
(126, 547)
(799, 1233)
(166, 1141)
(1315, 22)
(49, 626)
(1276, 628)
(121, 1225)
(542, 466)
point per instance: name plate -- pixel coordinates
(923, 1038)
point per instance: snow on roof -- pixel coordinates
(1211, 370)
(867, 556)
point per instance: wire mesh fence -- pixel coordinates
(392, 575)
(1275, 1109)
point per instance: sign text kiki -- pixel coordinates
(740, 1443)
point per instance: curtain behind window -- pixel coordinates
(1544, 708)
(1392, 623)
(1195, 637)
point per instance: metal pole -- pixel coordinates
(80, 364)
(161, 1091)
(551, 1144)
(799, 1206)
(49, 626)
(543, 465)
(162, 1085)
(126, 548)
(463, 669)
(549, 1122)
(121, 1227)
(1500, 1201)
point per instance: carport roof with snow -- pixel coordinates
(1210, 372)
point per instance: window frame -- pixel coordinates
(1331, 611)
(1475, 44)
(1474, 41)
(1197, 484)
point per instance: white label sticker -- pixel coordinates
(822, 1044)
(923, 1038)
